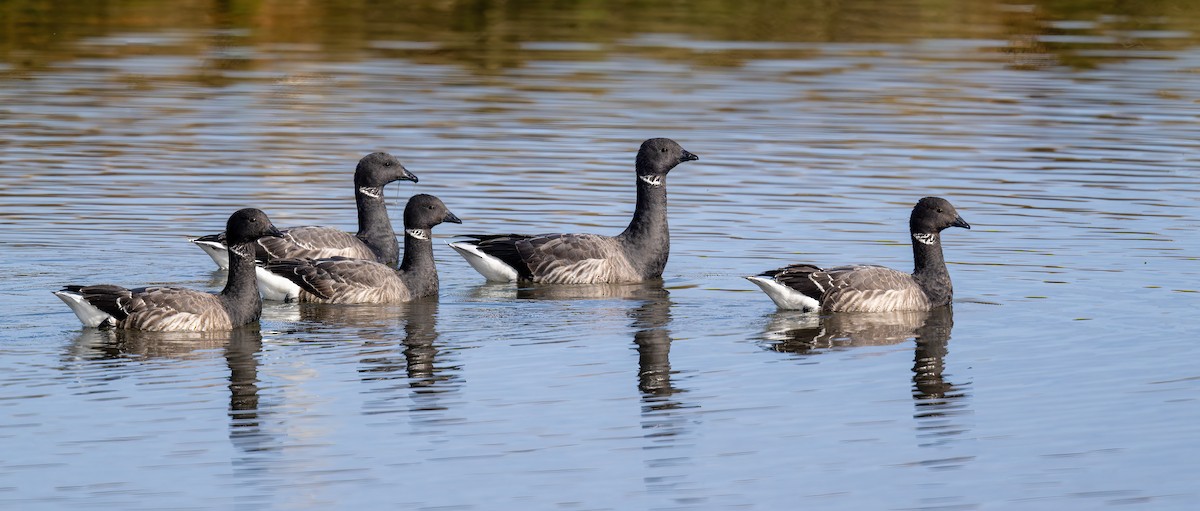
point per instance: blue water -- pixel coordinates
(1065, 376)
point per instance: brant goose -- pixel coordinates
(176, 309)
(344, 280)
(375, 239)
(863, 288)
(638, 254)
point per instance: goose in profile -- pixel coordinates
(863, 288)
(344, 280)
(375, 239)
(176, 309)
(637, 254)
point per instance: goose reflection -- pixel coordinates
(653, 340)
(806, 333)
(405, 373)
(640, 291)
(241, 355)
(665, 418)
(650, 317)
(665, 421)
(241, 346)
(420, 332)
(246, 431)
(939, 403)
(113, 344)
(375, 325)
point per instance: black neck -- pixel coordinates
(648, 237)
(417, 269)
(374, 226)
(240, 295)
(930, 269)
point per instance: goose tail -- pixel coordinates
(784, 297)
(88, 314)
(492, 268)
(215, 249)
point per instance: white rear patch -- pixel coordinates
(88, 314)
(274, 287)
(214, 250)
(925, 238)
(492, 268)
(783, 296)
(420, 234)
(652, 180)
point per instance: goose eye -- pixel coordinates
(940, 210)
(387, 164)
(664, 149)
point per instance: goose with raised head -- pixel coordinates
(866, 288)
(636, 255)
(177, 309)
(375, 239)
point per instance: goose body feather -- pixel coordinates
(342, 280)
(553, 258)
(154, 309)
(310, 241)
(857, 288)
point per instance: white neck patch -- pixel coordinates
(244, 251)
(371, 192)
(925, 238)
(652, 180)
(420, 234)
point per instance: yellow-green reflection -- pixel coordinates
(493, 35)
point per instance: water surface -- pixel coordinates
(1064, 376)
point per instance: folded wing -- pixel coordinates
(568, 258)
(158, 308)
(870, 289)
(342, 280)
(313, 242)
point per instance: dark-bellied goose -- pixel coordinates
(176, 309)
(863, 288)
(637, 254)
(343, 280)
(375, 238)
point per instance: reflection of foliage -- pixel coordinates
(483, 34)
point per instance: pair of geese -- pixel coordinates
(323, 264)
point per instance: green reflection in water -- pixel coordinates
(486, 35)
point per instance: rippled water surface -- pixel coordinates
(1064, 377)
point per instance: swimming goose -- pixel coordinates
(343, 280)
(637, 254)
(176, 309)
(863, 288)
(375, 239)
